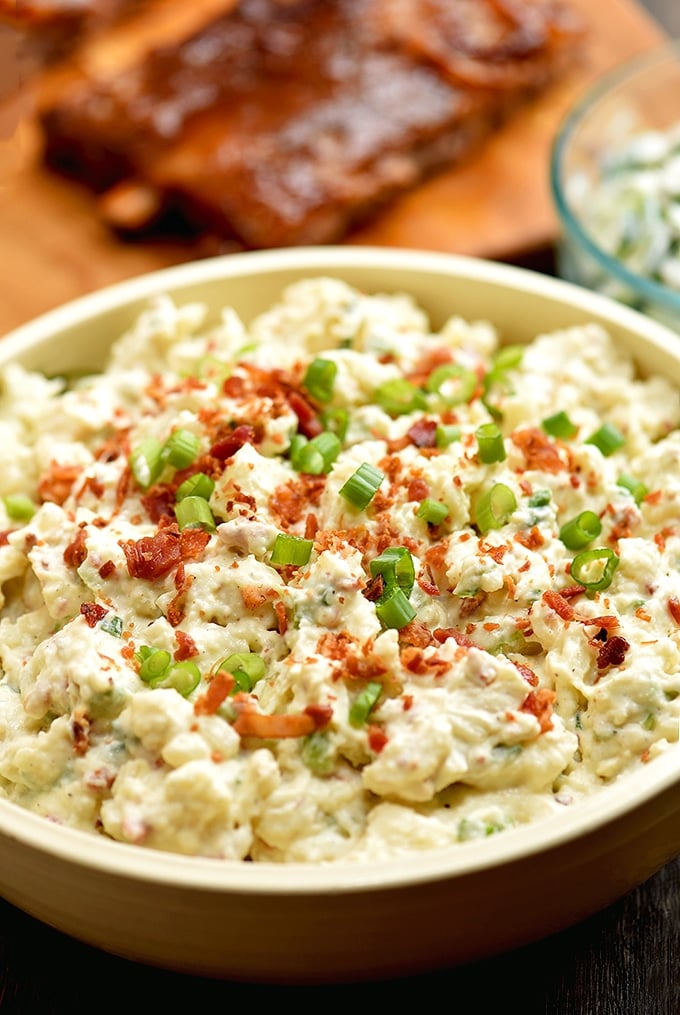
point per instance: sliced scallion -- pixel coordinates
(317, 753)
(364, 703)
(432, 511)
(490, 445)
(396, 566)
(290, 549)
(494, 507)
(146, 462)
(399, 397)
(194, 513)
(362, 485)
(153, 662)
(446, 433)
(594, 569)
(181, 448)
(559, 425)
(454, 383)
(608, 438)
(198, 485)
(297, 442)
(336, 421)
(19, 507)
(578, 532)
(309, 460)
(393, 609)
(316, 456)
(319, 379)
(635, 486)
(539, 498)
(245, 667)
(183, 677)
(507, 358)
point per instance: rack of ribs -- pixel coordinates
(287, 122)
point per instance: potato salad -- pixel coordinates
(335, 585)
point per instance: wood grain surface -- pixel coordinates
(497, 204)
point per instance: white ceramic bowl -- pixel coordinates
(298, 923)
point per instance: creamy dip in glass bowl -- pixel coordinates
(615, 181)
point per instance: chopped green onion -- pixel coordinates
(581, 530)
(317, 753)
(309, 460)
(635, 486)
(495, 507)
(317, 456)
(19, 507)
(297, 442)
(336, 421)
(320, 378)
(291, 549)
(362, 485)
(446, 433)
(393, 608)
(490, 444)
(181, 448)
(183, 677)
(198, 485)
(194, 513)
(608, 438)
(540, 498)
(146, 462)
(112, 625)
(245, 349)
(507, 358)
(396, 566)
(460, 382)
(245, 667)
(399, 397)
(559, 425)
(364, 703)
(594, 569)
(432, 511)
(154, 662)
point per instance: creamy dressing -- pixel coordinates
(496, 677)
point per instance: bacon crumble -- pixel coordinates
(93, 613)
(76, 551)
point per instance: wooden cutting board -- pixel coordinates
(497, 204)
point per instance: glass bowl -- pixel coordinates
(615, 181)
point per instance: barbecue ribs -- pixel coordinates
(286, 122)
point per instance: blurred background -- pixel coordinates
(490, 197)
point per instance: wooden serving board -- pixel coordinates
(497, 204)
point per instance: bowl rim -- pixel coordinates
(224, 876)
(605, 85)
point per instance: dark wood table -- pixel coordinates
(623, 961)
